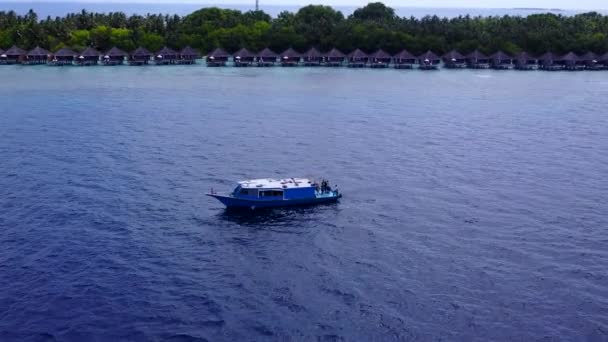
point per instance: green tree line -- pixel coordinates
(369, 28)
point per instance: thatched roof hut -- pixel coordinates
(358, 56)
(404, 57)
(90, 55)
(290, 55)
(380, 56)
(500, 57)
(65, 54)
(603, 58)
(453, 56)
(218, 57)
(429, 57)
(166, 54)
(589, 57)
(477, 59)
(570, 58)
(267, 54)
(38, 53)
(1, 52)
(525, 61)
(548, 58)
(312, 55)
(115, 54)
(189, 53)
(244, 55)
(335, 55)
(13, 55)
(141, 53)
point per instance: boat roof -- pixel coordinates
(266, 183)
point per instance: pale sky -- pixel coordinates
(563, 4)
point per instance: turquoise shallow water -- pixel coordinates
(474, 204)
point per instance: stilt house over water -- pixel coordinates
(551, 62)
(114, 56)
(312, 57)
(89, 56)
(454, 60)
(603, 60)
(141, 56)
(477, 60)
(63, 57)
(244, 58)
(267, 58)
(591, 61)
(188, 56)
(14, 55)
(380, 59)
(334, 58)
(290, 58)
(404, 60)
(429, 61)
(357, 59)
(525, 61)
(572, 62)
(501, 61)
(166, 56)
(37, 55)
(217, 58)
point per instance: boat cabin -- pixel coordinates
(276, 189)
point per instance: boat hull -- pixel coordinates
(233, 202)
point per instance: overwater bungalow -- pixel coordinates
(591, 61)
(603, 60)
(477, 60)
(188, 56)
(454, 60)
(63, 57)
(312, 57)
(572, 62)
(380, 59)
(525, 61)
(290, 57)
(357, 59)
(267, 58)
(550, 62)
(218, 58)
(334, 58)
(141, 56)
(429, 61)
(14, 55)
(244, 58)
(37, 55)
(114, 56)
(501, 61)
(88, 57)
(404, 60)
(166, 56)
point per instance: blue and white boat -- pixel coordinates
(273, 193)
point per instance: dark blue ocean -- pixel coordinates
(61, 8)
(475, 205)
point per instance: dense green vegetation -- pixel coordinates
(369, 28)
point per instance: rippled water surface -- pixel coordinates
(475, 205)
